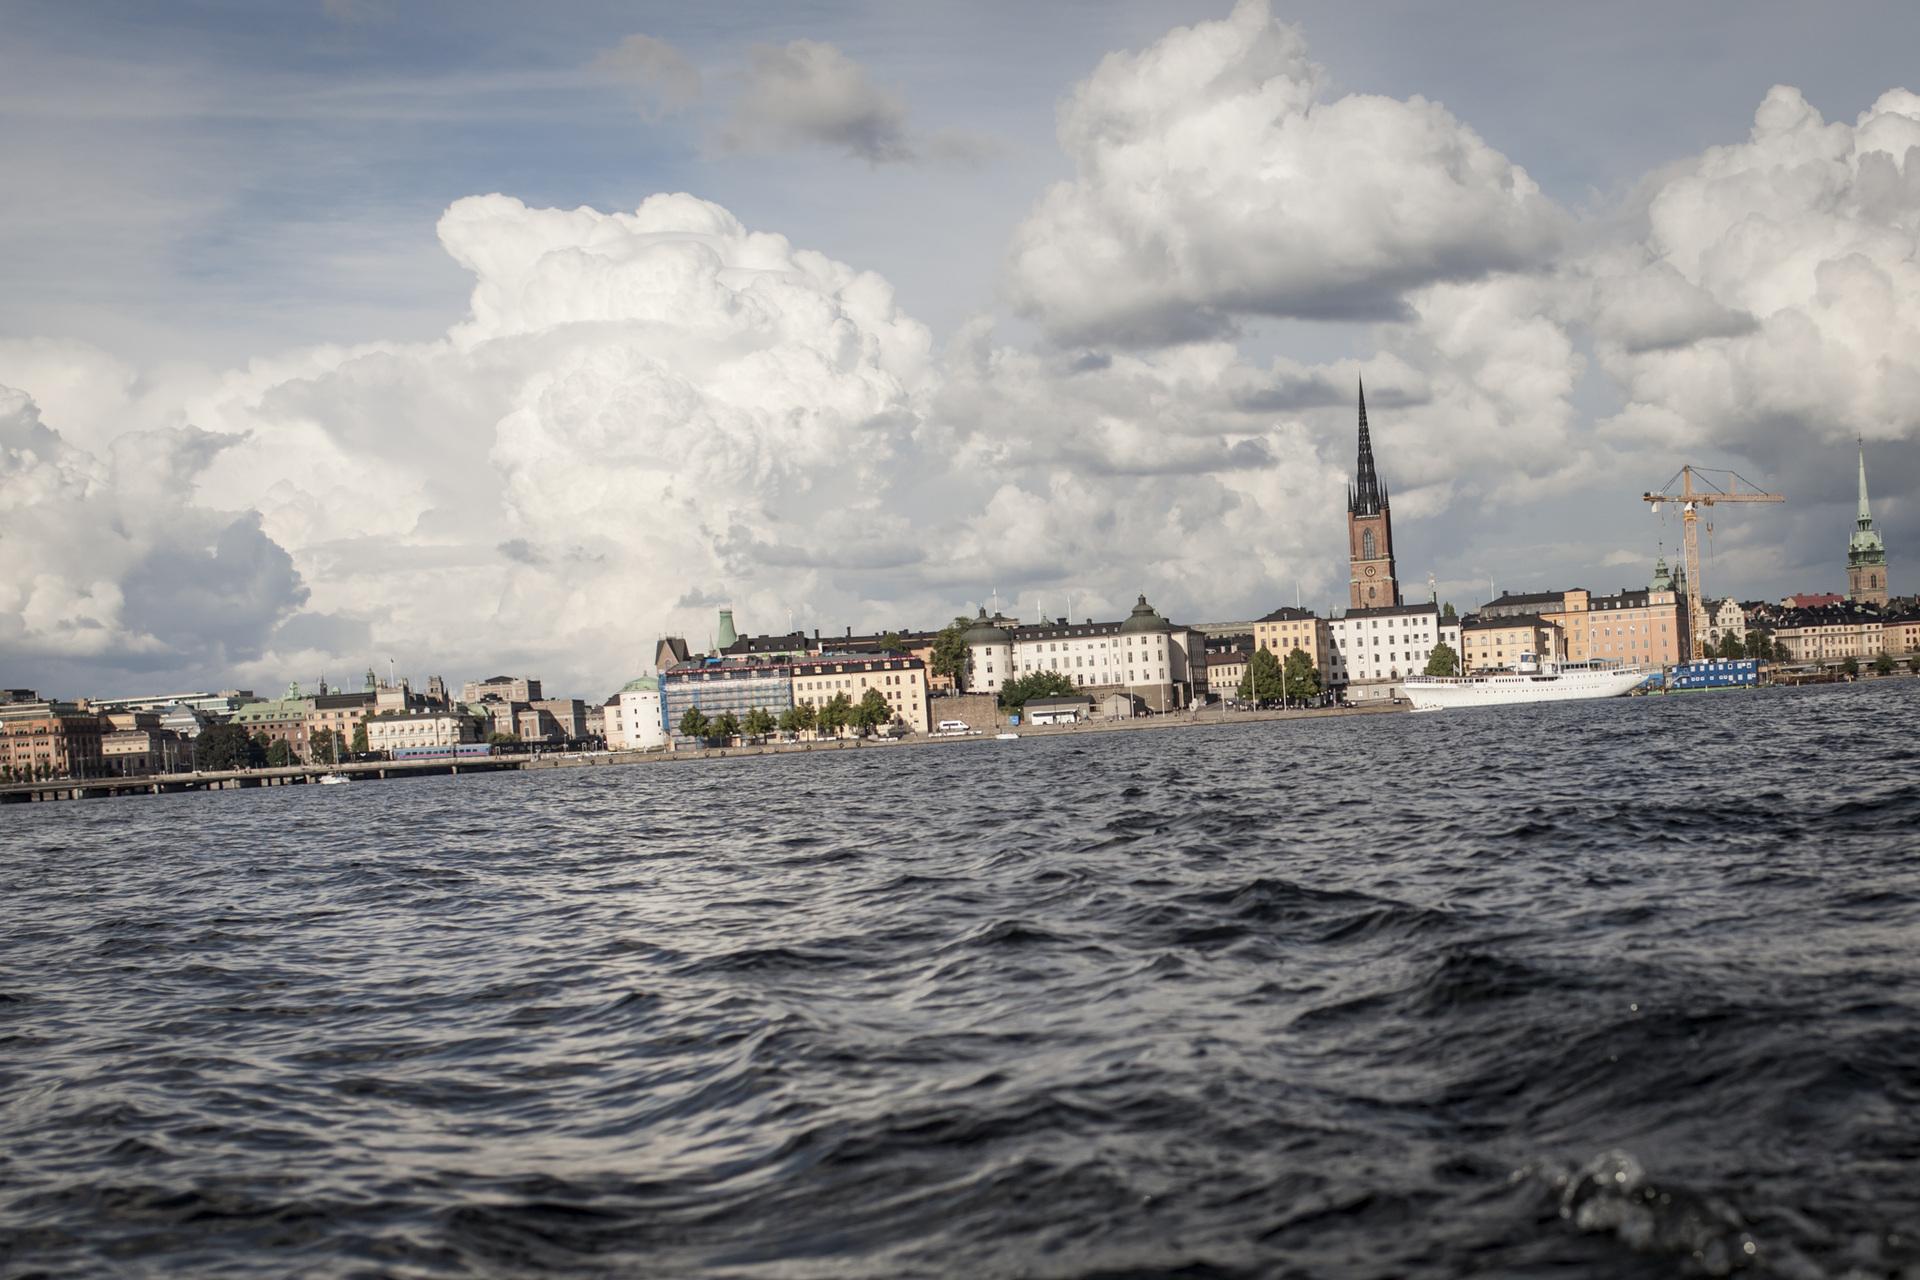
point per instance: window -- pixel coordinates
(1366, 545)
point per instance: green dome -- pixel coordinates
(984, 632)
(645, 684)
(1143, 618)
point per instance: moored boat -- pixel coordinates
(1530, 681)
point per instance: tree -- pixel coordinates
(359, 745)
(1759, 644)
(872, 711)
(1850, 668)
(1913, 664)
(836, 715)
(279, 754)
(1302, 677)
(951, 657)
(1883, 665)
(726, 728)
(1730, 646)
(790, 720)
(1447, 611)
(1443, 661)
(1263, 681)
(326, 746)
(694, 724)
(759, 723)
(1780, 653)
(222, 747)
(892, 642)
(1015, 693)
(502, 739)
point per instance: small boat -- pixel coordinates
(1007, 737)
(333, 777)
(1531, 680)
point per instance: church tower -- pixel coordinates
(1866, 553)
(1372, 581)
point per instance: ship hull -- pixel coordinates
(1507, 688)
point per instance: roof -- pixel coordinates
(1502, 624)
(1289, 614)
(1144, 619)
(1530, 597)
(642, 684)
(1366, 498)
(1061, 700)
(983, 631)
(1390, 611)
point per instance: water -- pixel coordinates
(1616, 989)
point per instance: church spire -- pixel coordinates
(1366, 495)
(1866, 515)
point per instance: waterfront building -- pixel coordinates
(43, 738)
(1636, 627)
(135, 744)
(1371, 652)
(1866, 553)
(1497, 644)
(1834, 633)
(1287, 629)
(597, 721)
(569, 716)
(901, 679)
(278, 720)
(391, 730)
(185, 723)
(1145, 655)
(1723, 618)
(340, 712)
(1531, 603)
(633, 716)
(1373, 581)
(1061, 709)
(1227, 666)
(504, 688)
(721, 685)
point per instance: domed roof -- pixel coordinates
(645, 684)
(984, 632)
(1143, 618)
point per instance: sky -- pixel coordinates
(478, 339)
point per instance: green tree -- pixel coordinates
(1443, 661)
(1913, 664)
(892, 642)
(759, 723)
(1759, 645)
(1447, 611)
(1015, 693)
(694, 724)
(1883, 665)
(790, 719)
(1302, 677)
(502, 739)
(1850, 668)
(222, 747)
(1730, 646)
(359, 745)
(872, 712)
(727, 727)
(951, 657)
(1780, 653)
(326, 746)
(1263, 680)
(836, 715)
(279, 754)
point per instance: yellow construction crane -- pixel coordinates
(1691, 498)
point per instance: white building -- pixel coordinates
(1372, 650)
(420, 729)
(633, 717)
(1724, 618)
(1145, 655)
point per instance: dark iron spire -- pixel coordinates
(1366, 496)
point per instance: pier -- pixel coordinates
(231, 780)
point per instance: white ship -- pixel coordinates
(1531, 681)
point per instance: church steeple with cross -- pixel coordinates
(1373, 581)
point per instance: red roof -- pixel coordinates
(1813, 602)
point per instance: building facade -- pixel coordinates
(1144, 655)
(1866, 553)
(389, 730)
(48, 739)
(278, 720)
(902, 680)
(1498, 644)
(633, 721)
(1284, 630)
(1723, 618)
(505, 688)
(1371, 652)
(718, 686)
(137, 744)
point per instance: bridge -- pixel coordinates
(234, 779)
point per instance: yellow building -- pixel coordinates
(902, 680)
(1285, 630)
(1497, 644)
(1833, 635)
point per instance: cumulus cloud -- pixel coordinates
(1772, 303)
(809, 93)
(660, 76)
(1215, 180)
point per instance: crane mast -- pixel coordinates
(1690, 498)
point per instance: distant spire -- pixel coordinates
(1866, 516)
(1366, 494)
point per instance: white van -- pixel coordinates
(953, 726)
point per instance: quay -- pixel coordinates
(236, 779)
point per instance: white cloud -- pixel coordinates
(1772, 303)
(1213, 180)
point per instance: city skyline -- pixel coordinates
(882, 339)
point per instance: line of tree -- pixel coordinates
(829, 719)
(1443, 661)
(224, 747)
(1017, 692)
(951, 657)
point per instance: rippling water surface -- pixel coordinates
(1604, 989)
